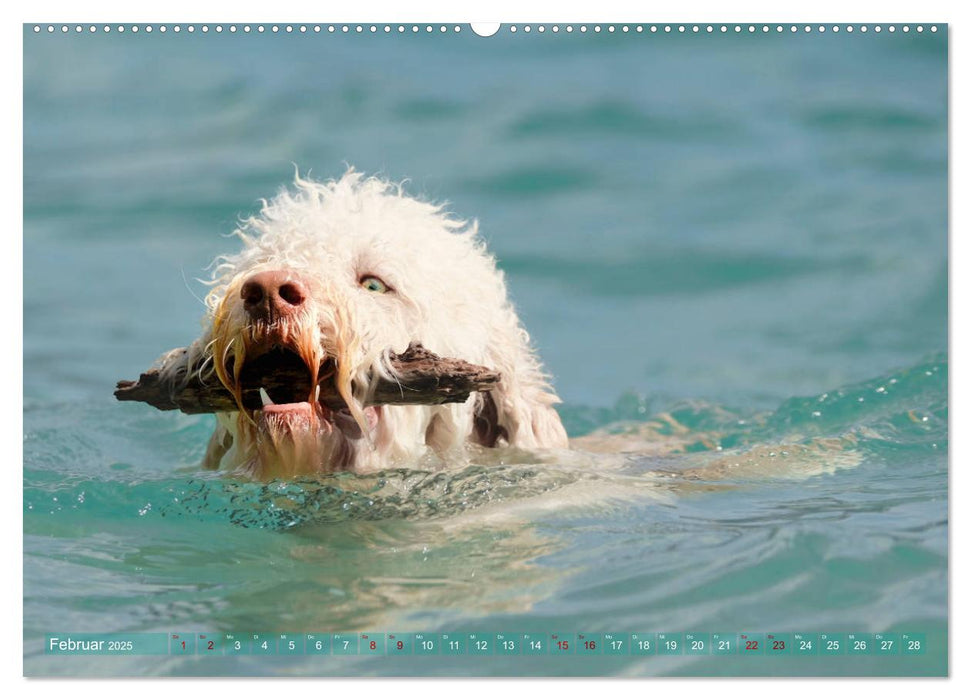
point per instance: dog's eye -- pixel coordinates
(374, 284)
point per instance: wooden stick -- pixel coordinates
(423, 378)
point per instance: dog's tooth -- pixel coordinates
(265, 397)
(317, 393)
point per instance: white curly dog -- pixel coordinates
(338, 274)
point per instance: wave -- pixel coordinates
(689, 443)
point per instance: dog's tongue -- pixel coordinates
(287, 417)
(302, 409)
(297, 416)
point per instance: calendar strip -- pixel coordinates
(578, 644)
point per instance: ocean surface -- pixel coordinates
(730, 250)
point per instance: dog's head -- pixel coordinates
(331, 278)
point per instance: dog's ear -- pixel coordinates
(485, 421)
(518, 415)
(519, 411)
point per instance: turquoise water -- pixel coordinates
(730, 250)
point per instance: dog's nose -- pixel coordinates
(269, 295)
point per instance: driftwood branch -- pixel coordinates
(423, 378)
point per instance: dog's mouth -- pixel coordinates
(289, 392)
(282, 377)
